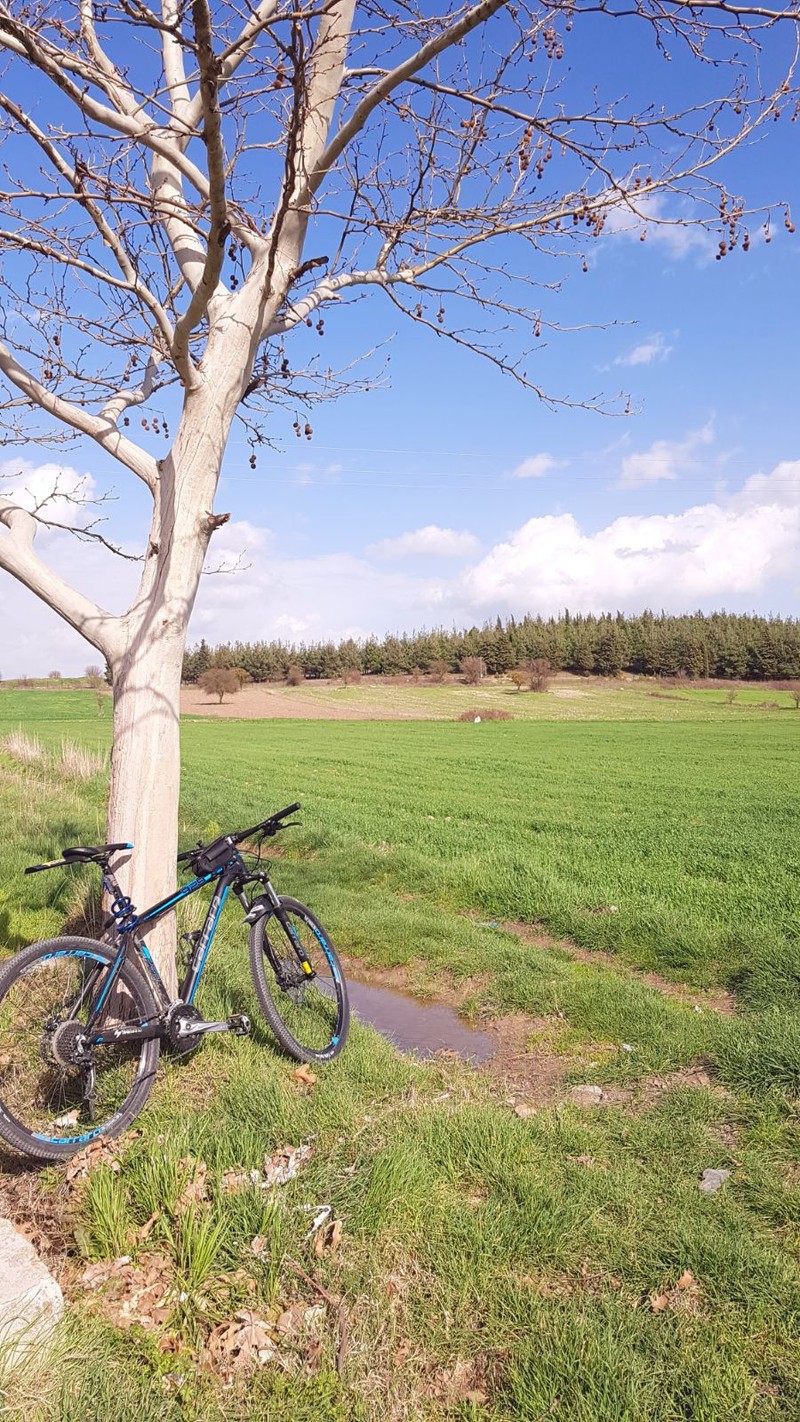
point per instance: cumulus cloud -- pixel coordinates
(741, 550)
(654, 349)
(536, 466)
(704, 557)
(665, 459)
(428, 542)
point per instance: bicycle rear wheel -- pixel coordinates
(308, 1012)
(51, 1106)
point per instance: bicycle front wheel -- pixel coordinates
(306, 1006)
(52, 1103)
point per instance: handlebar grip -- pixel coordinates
(290, 809)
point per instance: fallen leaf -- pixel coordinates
(259, 1246)
(476, 1397)
(305, 1075)
(193, 1192)
(285, 1164)
(144, 1232)
(686, 1280)
(523, 1110)
(658, 1302)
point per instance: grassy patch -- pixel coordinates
(485, 1265)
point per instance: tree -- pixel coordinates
(219, 680)
(472, 669)
(539, 673)
(190, 189)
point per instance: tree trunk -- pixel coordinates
(145, 780)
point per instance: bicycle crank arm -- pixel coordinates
(239, 1025)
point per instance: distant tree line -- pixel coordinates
(698, 645)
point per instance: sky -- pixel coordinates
(447, 495)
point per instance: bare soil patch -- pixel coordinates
(262, 702)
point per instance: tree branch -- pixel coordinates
(219, 226)
(18, 557)
(102, 430)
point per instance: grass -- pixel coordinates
(491, 1266)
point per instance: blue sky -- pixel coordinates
(448, 494)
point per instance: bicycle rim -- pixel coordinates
(310, 1006)
(44, 1096)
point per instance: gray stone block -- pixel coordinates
(31, 1301)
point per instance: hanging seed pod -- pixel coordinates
(308, 432)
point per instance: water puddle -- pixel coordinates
(415, 1026)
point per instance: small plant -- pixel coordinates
(485, 713)
(54, 676)
(98, 687)
(242, 676)
(351, 676)
(794, 691)
(107, 1214)
(732, 695)
(518, 677)
(473, 670)
(219, 681)
(295, 675)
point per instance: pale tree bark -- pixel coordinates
(201, 184)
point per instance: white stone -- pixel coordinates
(712, 1180)
(31, 1301)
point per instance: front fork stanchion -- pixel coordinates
(294, 938)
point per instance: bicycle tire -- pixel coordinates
(320, 1006)
(56, 1085)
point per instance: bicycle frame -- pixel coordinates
(128, 924)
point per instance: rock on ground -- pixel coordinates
(31, 1301)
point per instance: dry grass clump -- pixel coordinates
(27, 749)
(79, 762)
(485, 713)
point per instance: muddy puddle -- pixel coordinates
(417, 1027)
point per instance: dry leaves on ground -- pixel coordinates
(684, 1297)
(194, 1191)
(305, 1076)
(328, 1238)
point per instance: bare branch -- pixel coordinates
(18, 557)
(103, 431)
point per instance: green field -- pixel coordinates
(493, 1264)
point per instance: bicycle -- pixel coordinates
(82, 1020)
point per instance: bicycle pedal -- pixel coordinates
(239, 1025)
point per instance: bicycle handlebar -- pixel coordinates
(269, 826)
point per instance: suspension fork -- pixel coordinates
(258, 910)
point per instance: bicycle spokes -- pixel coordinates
(49, 1082)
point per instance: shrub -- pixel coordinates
(351, 676)
(295, 675)
(539, 673)
(794, 691)
(219, 680)
(472, 670)
(438, 669)
(485, 713)
(241, 675)
(91, 672)
(519, 678)
(54, 676)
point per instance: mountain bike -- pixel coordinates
(82, 1021)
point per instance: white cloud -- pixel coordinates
(59, 492)
(741, 550)
(536, 466)
(428, 542)
(665, 459)
(653, 222)
(655, 348)
(704, 557)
